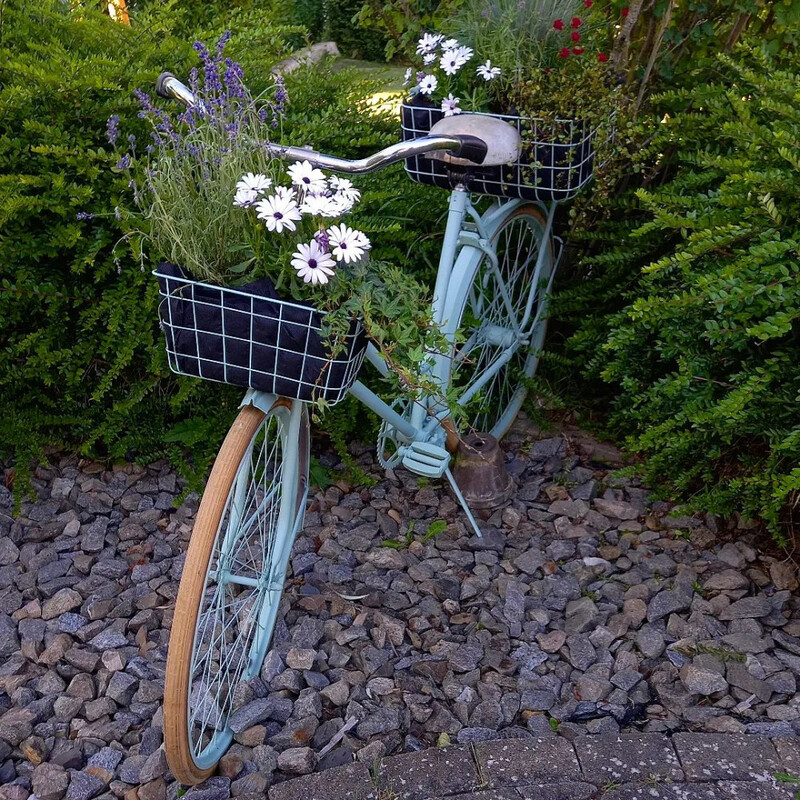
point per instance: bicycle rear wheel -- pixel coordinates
(491, 312)
(232, 582)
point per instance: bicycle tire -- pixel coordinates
(223, 534)
(498, 405)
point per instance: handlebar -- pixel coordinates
(468, 147)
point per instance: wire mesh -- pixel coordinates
(230, 336)
(556, 162)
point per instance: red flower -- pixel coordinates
(576, 22)
(577, 51)
(624, 11)
(576, 37)
(558, 25)
(602, 58)
(564, 53)
(588, 3)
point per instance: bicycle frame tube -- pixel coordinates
(546, 238)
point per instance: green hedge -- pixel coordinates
(689, 308)
(81, 357)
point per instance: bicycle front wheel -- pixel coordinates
(232, 582)
(491, 368)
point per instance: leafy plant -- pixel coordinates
(701, 353)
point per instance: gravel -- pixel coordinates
(587, 607)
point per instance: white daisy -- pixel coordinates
(345, 188)
(255, 182)
(452, 61)
(466, 52)
(346, 243)
(450, 105)
(428, 84)
(428, 59)
(340, 204)
(428, 43)
(487, 71)
(245, 197)
(284, 192)
(278, 213)
(450, 44)
(313, 264)
(319, 205)
(307, 177)
(407, 78)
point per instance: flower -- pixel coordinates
(313, 264)
(577, 51)
(319, 205)
(428, 84)
(346, 243)
(588, 3)
(257, 183)
(558, 25)
(344, 188)
(307, 177)
(575, 36)
(452, 61)
(245, 197)
(466, 52)
(564, 52)
(450, 105)
(278, 212)
(624, 11)
(487, 71)
(284, 192)
(112, 128)
(450, 44)
(407, 78)
(428, 59)
(602, 58)
(428, 43)
(576, 22)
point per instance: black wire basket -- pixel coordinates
(251, 337)
(556, 162)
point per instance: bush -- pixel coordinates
(82, 363)
(702, 356)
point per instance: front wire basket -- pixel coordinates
(249, 340)
(556, 162)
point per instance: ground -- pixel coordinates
(586, 610)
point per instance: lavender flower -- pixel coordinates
(84, 215)
(112, 129)
(322, 240)
(124, 162)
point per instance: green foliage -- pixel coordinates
(81, 363)
(695, 295)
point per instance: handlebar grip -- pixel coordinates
(472, 148)
(161, 89)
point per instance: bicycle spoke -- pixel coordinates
(229, 627)
(496, 302)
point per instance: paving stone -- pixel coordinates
(558, 791)
(709, 757)
(693, 791)
(351, 782)
(627, 758)
(430, 773)
(516, 762)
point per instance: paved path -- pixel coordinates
(687, 766)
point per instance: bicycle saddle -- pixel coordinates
(501, 138)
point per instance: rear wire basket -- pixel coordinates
(251, 340)
(556, 162)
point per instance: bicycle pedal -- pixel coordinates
(426, 459)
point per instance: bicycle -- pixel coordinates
(494, 279)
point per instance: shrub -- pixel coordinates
(82, 363)
(702, 356)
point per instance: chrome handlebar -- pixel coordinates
(170, 87)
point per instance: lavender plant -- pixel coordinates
(214, 202)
